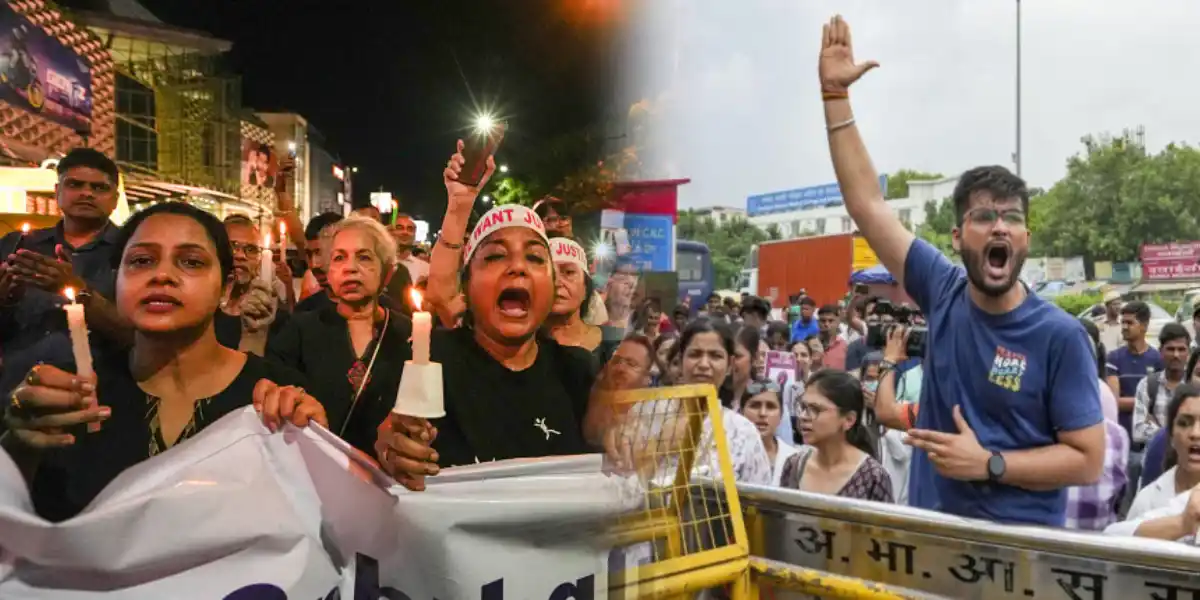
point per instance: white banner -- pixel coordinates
(241, 514)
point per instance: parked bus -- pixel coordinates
(693, 263)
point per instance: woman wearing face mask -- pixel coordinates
(1169, 507)
(173, 263)
(839, 458)
(353, 349)
(510, 392)
(764, 409)
(249, 311)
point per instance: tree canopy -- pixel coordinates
(729, 242)
(1117, 196)
(897, 183)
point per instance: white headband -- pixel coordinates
(567, 250)
(501, 217)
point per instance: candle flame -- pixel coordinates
(282, 230)
(416, 297)
(24, 228)
(69, 292)
(266, 241)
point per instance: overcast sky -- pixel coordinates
(743, 116)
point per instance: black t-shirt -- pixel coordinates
(69, 478)
(494, 413)
(318, 345)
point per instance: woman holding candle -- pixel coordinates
(173, 263)
(510, 391)
(353, 350)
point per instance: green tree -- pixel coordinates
(940, 220)
(897, 183)
(729, 242)
(1115, 197)
(773, 232)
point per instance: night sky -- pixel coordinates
(381, 78)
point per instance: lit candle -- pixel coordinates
(283, 239)
(422, 324)
(77, 325)
(420, 392)
(267, 270)
(24, 229)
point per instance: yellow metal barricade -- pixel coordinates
(689, 528)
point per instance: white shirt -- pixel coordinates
(746, 451)
(417, 268)
(781, 455)
(1155, 501)
(896, 457)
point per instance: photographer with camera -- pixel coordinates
(876, 311)
(1010, 405)
(896, 400)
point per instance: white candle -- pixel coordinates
(283, 243)
(77, 325)
(422, 324)
(267, 271)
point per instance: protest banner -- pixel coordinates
(243, 514)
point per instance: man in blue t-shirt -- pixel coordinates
(1130, 363)
(806, 325)
(1010, 401)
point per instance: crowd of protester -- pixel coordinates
(969, 395)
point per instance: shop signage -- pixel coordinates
(829, 194)
(1168, 262)
(41, 75)
(651, 241)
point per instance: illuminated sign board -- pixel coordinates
(339, 173)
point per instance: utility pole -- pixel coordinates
(1017, 154)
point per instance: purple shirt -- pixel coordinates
(1094, 507)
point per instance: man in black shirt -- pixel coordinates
(76, 252)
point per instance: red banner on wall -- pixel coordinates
(1168, 262)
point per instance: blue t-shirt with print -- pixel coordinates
(1019, 377)
(1131, 368)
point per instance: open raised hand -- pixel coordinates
(836, 66)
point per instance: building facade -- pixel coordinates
(827, 215)
(720, 214)
(290, 131)
(328, 177)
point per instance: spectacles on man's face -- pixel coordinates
(250, 250)
(988, 216)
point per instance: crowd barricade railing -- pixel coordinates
(906, 552)
(689, 534)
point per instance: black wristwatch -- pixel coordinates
(996, 467)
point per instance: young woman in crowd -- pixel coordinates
(803, 355)
(250, 309)
(741, 369)
(353, 350)
(173, 263)
(509, 392)
(839, 458)
(816, 353)
(568, 323)
(1182, 468)
(707, 350)
(662, 355)
(764, 408)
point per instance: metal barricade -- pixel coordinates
(916, 551)
(690, 536)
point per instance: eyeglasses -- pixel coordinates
(809, 409)
(251, 250)
(988, 216)
(757, 387)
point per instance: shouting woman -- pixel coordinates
(173, 263)
(510, 391)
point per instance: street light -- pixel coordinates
(1017, 154)
(353, 169)
(503, 168)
